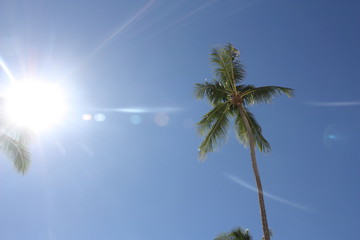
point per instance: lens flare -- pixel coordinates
(135, 119)
(86, 117)
(99, 117)
(161, 119)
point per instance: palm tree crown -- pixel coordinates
(227, 95)
(236, 234)
(231, 99)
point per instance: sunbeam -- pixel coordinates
(271, 196)
(334, 104)
(195, 11)
(6, 70)
(140, 110)
(120, 29)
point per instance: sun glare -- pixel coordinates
(34, 104)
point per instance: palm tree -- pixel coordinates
(236, 234)
(229, 99)
(14, 143)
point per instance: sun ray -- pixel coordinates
(6, 70)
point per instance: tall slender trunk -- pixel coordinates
(257, 175)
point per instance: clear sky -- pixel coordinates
(132, 171)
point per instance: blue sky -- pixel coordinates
(135, 174)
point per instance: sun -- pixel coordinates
(37, 105)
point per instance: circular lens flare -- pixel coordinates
(35, 105)
(161, 119)
(86, 117)
(99, 117)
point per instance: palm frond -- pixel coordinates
(236, 234)
(227, 66)
(241, 132)
(22, 135)
(215, 92)
(252, 95)
(214, 125)
(240, 234)
(223, 236)
(17, 151)
(208, 120)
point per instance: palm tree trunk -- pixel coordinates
(257, 175)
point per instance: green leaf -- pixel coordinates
(209, 119)
(236, 234)
(241, 132)
(252, 95)
(17, 152)
(227, 66)
(214, 125)
(215, 92)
